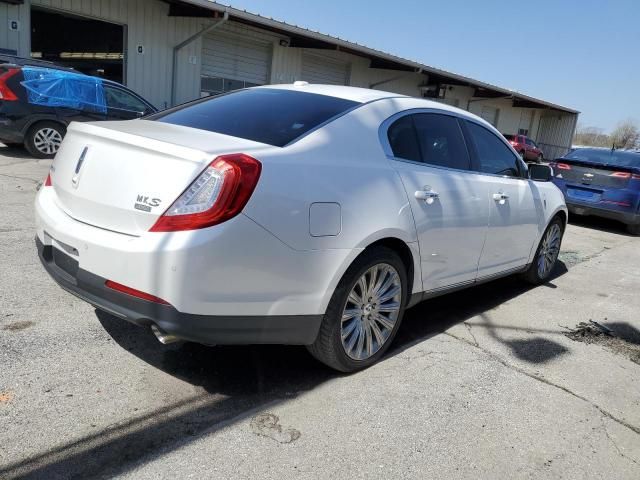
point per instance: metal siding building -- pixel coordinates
(228, 48)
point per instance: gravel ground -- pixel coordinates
(483, 383)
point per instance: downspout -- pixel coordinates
(181, 45)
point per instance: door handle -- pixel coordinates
(500, 197)
(428, 196)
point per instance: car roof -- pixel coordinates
(355, 94)
(53, 66)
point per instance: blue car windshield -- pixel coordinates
(618, 158)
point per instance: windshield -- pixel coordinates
(272, 116)
(619, 158)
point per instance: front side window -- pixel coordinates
(122, 100)
(429, 138)
(271, 116)
(493, 155)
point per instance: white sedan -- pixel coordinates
(292, 214)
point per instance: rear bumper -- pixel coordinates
(208, 329)
(628, 218)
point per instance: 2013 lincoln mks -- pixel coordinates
(298, 214)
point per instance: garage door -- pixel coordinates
(321, 69)
(490, 114)
(231, 61)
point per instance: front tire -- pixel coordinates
(633, 229)
(546, 254)
(364, 313)
(44, 138)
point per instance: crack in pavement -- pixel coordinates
(615, 444)
(494, 356)
(16, 177)
(475, 341)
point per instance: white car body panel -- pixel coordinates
(270, 259)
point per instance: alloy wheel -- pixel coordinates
(549, 250)
(47, 140)
(371, 311)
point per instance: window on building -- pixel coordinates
(523, 131)
(493, 155)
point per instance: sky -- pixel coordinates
(583, 54)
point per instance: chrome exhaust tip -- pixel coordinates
(162, 336)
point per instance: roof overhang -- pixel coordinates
(304, 38)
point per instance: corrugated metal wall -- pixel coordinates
(555, 133)
(148, 24)
(18, 41)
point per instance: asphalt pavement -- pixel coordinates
(483, 383)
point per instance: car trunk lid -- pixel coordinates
(121, 176)
(593, 175)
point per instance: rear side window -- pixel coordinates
(272, 116)
(429, 138)
(493, 155)
(403, 139)
(441, 141)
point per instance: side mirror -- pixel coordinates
(540, 173)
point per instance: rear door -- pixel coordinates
(448, 202)
(513, 215)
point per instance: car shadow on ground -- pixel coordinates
(602, 224)
(237, 382)
(14, 152)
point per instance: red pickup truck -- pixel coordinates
(526, 147)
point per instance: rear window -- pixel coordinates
(616, 158)
(272, 116)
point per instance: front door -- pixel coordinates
(448, 202)
(513, 207)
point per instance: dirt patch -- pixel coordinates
(267, 425)
(16, 326)
(620, 338)
(6, 396)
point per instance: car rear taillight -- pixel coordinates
(219, 193)
(5, 92)
(513, 142)
(620, 174)
(118, 287)
(614, 202)
(635, 176)
(562, 166)
(47, 181)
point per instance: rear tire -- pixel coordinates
(44, 138)
(373, 316)
(546, 254)
(634, 229)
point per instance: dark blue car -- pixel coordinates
(601, 182)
